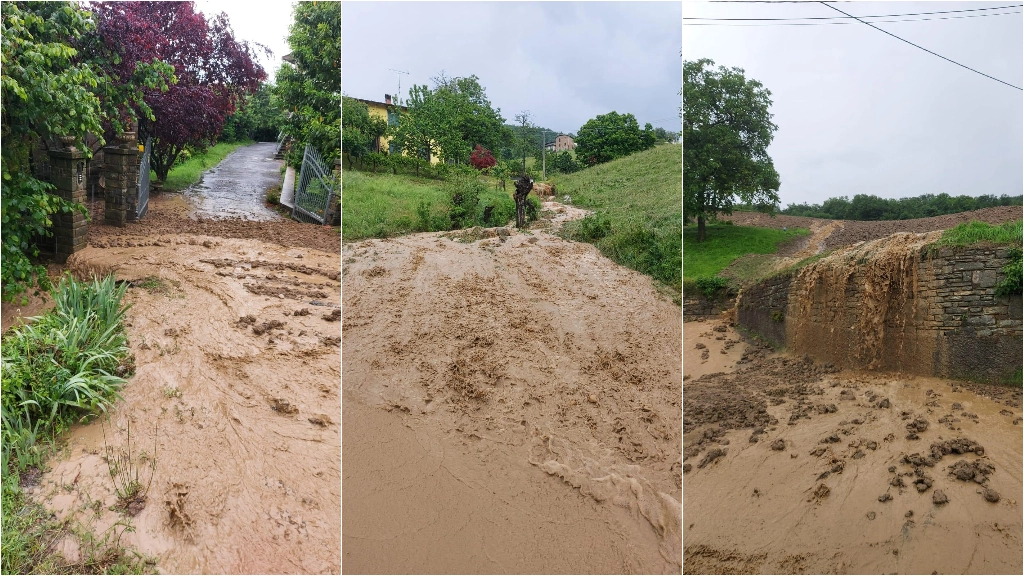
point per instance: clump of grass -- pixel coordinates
(274, 196)
(724, 244)
(1013, 282)
(64, 366)
(976, 232)
(125, 471)
(640, 197)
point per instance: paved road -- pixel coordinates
(237, 187)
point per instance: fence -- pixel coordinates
(314, 190)
(281, 139)
(143, 204)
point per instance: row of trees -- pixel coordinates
(870, 207)
(454, 117)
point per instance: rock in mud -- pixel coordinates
(939, 497)
(779, 445)
(871, 515)
(712, 455)
(885, 497)
(322, 420)
(847, 395)
(246, 320)
(872, 445)
(977, 471)
(266, 326)
(827, 408)
(821, 491)
(700, 346)
(991, 495)
(687, 467)
(832, 439)
(858, 455)
(283, 406)
(301, 312)
(918, 425)
(884, 403)
(334, 316)
(754, 436)
(818, 451)
(923, 484)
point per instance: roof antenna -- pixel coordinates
(400, 72)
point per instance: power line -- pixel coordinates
(925, 49)
(845, 17)
(848, 22)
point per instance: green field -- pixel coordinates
(637, 202)
(187, 173)
(725, 243)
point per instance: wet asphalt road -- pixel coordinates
(237, 187)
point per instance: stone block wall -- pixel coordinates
(931, 312)
(121, 184)
(68, 172)
(762, 307)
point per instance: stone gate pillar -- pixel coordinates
(121, 176)
(69, 174)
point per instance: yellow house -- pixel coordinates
(387, 109)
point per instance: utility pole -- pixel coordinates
(543, 155)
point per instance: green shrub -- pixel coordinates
(1013, 282)
(464, 196)
(274, 196)
(589, 229)
(710, 285)
(495, 209)
(67, 364)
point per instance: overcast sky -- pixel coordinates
(564, 62)
(267, 25)
(860, 112)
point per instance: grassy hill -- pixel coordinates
(637, 202)
(725, 243)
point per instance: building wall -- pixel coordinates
(934, 313)
(564, 142)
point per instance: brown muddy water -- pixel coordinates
(511, 405)
(236, 395)
(795, 467)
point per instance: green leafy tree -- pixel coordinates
(564, 162)
(611, 136)
(525, 144)
(726, 132)
(311, 89)
(259, 118)
(50, 89)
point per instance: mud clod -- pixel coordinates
(884, 403)
(779, 445)
(977, 471)
(283, 406)
(301, 312)
(885, 497)
(266, 326)
(939, 497)
(712, 455)
(334, 316)
(321, 420)
(991, 495)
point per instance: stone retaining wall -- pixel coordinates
(929, 312)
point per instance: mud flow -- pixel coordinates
(511, 405)
(792, 466)
(236, 397)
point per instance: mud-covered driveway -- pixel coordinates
(511, 405)
(237, 187)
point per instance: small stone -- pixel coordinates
(592, 399)
(991, 495)
(939, 497)
(871, 515)
(779, 445)
(885, 497)
(908, 514)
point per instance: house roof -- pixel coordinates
(365, 101)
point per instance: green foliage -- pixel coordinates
(274, 196)
(1013, 282)
(497, 209)
(590, 228)
(611, 136)
(778, 315)
(385, 205)
(464, 196)
(640, 196)
(726, 132)
(710, 285)
(258, 119)
(871, 207)
(975, 232)
(359, 131)
(311, 89)
(563, 162)
(725, 244)
(67, 364)
(49, 89)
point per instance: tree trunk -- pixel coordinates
(523, 187)
(700, 228)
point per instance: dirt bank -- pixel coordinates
(851, 231)
(795, 467)
(240, 385)
(510, 405)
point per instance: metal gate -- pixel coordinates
(315, 189)
(143, 204)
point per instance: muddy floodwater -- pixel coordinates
(237, 186)
(793, 466)
(511, 405)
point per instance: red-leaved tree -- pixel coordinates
(481, 158)
(214, 70)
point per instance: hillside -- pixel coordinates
(637, 202)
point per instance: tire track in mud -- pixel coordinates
(523, 359)
(247, 476)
